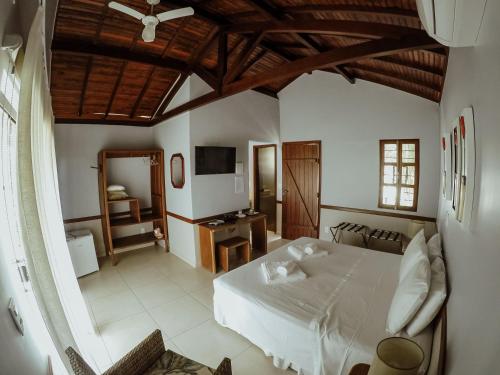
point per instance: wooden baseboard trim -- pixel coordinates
(197, 221)
(99, 217)
(179, 217)
(379, 213)
(80, 219)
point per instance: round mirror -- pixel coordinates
(177, 171)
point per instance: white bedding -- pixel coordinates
(322, 325)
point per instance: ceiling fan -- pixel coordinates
(151, 21)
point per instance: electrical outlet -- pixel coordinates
(143, 230)
(327, 230)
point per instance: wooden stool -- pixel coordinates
(240, 244)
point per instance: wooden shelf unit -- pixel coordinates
(156, 214)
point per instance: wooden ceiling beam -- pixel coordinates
(88, 68)
(194, 61)
(252, 62)
(355, 29)
(352, 9)
(423, 91)
(222, 22)
(383, 71)
(115, 88)
(276, 14)
(287, 82)
(263, 90)
(411, 65)
(118, 53)
(171, 41)
(143, 91)
(238, 65)
(221, 61)
(77, 121)
(172, 91)
(338, 56)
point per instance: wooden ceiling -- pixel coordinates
(102, 71)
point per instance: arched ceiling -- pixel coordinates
(103, 72)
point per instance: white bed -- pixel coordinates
(324, 324)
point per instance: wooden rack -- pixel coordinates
(156, 214)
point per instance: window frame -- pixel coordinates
(399, 166)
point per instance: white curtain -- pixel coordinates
(54, 281)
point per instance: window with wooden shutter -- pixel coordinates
(399, 174)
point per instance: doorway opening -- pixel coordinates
(265, 182)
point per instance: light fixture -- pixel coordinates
(150, 22)
(397, 356)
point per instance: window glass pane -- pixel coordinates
(391, 153)
(406, 197)
(408, 175)
(389, 195)
(408, 153)
(390, 174)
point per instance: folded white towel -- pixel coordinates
(303, 252)
(311, 248)
(271, 275)
(296, 252)
(286, 268)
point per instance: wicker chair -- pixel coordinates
(150, 358)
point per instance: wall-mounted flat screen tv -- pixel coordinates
(214, 160)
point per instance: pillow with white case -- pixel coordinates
(410, 294)
(434, 246)
(432, 304)
(115, 188)
(416, 248)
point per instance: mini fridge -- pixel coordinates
(82, 251)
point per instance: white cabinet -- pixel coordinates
(82, 251)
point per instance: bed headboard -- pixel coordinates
(438, 353)
(439, 341)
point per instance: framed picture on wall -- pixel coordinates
(462, 161)
(468, 165)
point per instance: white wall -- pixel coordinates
(77, 147)
(350, 120)
(229, 122)
(473, 255)
(173, 137)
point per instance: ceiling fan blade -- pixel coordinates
(125, 9)
(170, 15)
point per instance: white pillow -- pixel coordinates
(115, 188)
(433, 302)
(416, 248)
(410, 295)
(434, 246)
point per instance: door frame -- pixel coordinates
(318, 142)
(256, 175)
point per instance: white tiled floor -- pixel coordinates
(151, 289)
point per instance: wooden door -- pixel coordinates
(301, 189)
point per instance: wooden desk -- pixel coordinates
(258, 238)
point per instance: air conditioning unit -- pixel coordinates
(454, 23)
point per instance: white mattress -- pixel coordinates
(324, 324)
